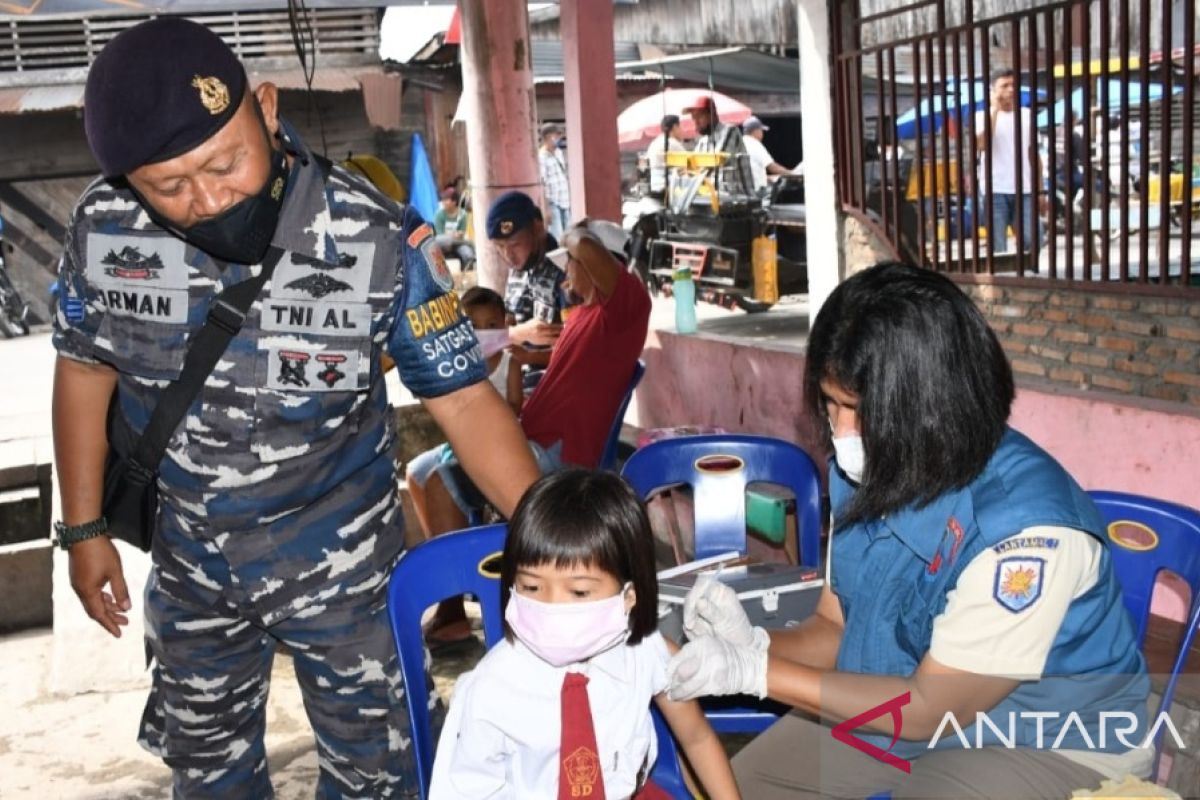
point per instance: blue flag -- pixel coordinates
(422, 189)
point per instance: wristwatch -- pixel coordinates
(67, 535)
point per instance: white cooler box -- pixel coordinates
(773, 595)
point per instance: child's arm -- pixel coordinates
(699, 742)
(701, 745)
(516, 388)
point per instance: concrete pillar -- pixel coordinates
(498, 88)
(590, 99)
(825, 259)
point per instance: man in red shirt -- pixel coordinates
(569, 414)
(594, 358)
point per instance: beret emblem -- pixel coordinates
(506, 227)
(213, 93)
(277, 189)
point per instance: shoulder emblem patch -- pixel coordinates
(425, 240)
(1018, 582)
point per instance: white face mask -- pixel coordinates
(850, 456)
(566, 633)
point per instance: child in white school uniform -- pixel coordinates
(580, 599)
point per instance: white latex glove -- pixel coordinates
(711, 666)
(712, 609)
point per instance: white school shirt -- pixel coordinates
(499, 376)
(502, 733)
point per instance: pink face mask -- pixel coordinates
(492, 341)
(566, 633)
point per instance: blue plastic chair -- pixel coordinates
(453, 564)
(608, 459)
(1146, 537)
(718, 467)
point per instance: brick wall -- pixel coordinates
(1130, 344)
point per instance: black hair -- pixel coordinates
(478, 296)
(579, 516)
(933, 384)
(1003, 72)
(669, 122)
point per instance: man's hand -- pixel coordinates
(713, 609)
(535, 332)
(714, 667)
(96, 563)
(1043, 205)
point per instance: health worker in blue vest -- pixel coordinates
(971, 634)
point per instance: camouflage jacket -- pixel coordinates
(536, 291)
(285, 458)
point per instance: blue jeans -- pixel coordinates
(560, 219)
(1004, 214)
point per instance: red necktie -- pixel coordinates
(578, 760)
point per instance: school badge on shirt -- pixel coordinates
(1018, 582)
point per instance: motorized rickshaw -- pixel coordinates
(743, 249)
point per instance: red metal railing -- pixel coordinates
(1114, 194)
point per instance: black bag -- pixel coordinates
(130, 490)
(130, 499)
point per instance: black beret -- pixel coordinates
(156, 91)
(511, 212)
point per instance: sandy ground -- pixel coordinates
(84, 747)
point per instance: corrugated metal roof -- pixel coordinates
(27, 99)
(49, 8)
(621, 78)
(731, 69)
(548, 58)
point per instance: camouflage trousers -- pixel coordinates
(206, 715)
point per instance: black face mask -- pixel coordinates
(241, 233)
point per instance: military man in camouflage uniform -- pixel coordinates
(279, 519)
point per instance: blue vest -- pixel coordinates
(892, 577)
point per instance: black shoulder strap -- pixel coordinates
(226, 313)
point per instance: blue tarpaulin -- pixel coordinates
(422, 188)
(959, 99)
(1117, 92)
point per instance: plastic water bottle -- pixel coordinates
(684, 290)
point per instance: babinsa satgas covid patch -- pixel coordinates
(432, 339)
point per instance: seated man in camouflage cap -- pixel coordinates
(278, 516)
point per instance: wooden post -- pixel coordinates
(498, 88)
(590, 99)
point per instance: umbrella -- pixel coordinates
(1120, 94)
(641, 122)
(933, 110)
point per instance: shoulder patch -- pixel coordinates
(424, 239)
(1018, 582)
(1027, 543)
